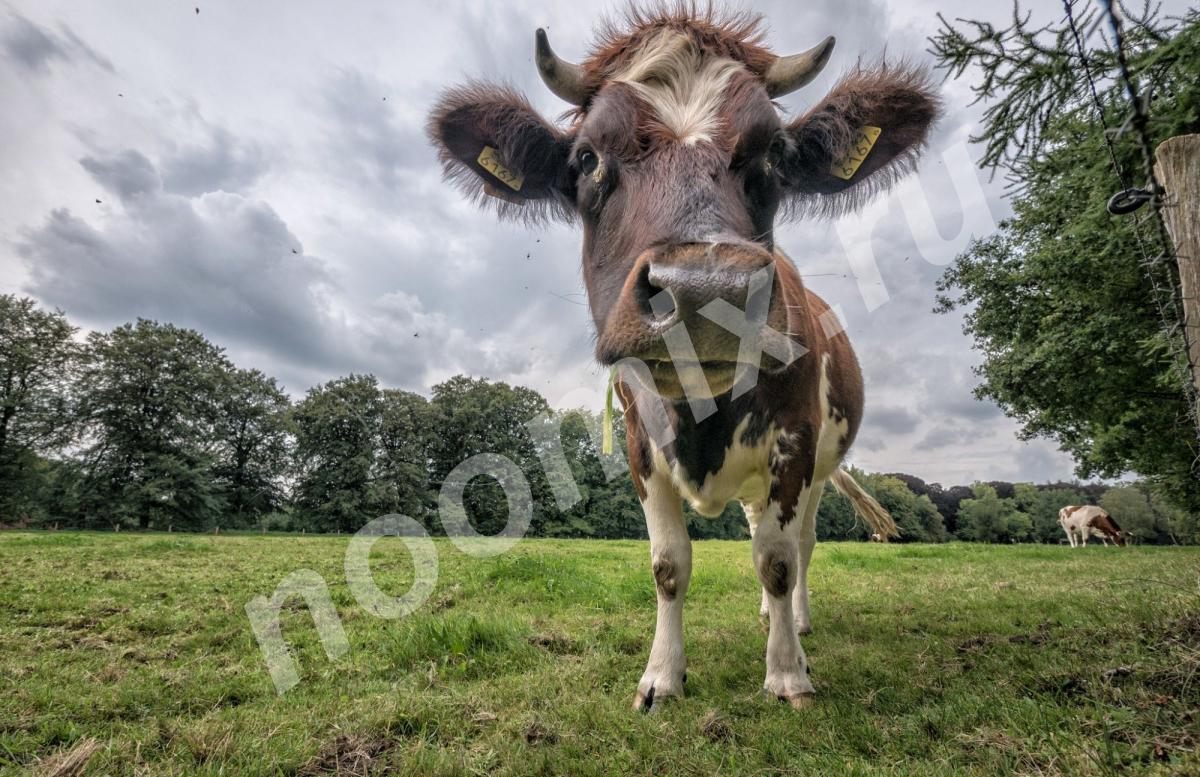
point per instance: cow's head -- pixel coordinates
(677, 161)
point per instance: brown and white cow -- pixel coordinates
(1080, 522)
(677, 161)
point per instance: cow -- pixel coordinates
(676, 161)
(1080, 522)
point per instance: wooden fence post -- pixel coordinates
(1177, 165)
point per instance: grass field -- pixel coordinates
(132, 654)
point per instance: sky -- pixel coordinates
(259, 172)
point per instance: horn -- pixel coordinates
(787, 74)
(563, 78)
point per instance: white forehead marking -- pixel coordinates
(682, 86)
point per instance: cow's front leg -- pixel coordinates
(776, 558)
(671, 561)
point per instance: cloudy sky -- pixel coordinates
(258, 171)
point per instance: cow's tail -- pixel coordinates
(879, 519)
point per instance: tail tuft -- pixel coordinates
(879, 519)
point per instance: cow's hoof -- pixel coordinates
(804, 630)
(650, 701)
(789, 685)
(800, 701)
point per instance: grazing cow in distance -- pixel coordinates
(1080, 522)
(736, 380)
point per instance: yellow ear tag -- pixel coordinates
(847, 166)
(489, 159)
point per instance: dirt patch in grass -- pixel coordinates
(71, 761)
(350, 755)
(553, 643)
(716, 727)
(537, 733)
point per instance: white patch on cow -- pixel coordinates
(683, 87)
(833, 431)
(745, 474)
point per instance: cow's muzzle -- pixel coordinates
(699, 309)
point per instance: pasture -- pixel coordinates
(132, 654)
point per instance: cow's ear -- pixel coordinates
(865, 135)
(492, 142)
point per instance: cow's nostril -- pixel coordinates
(662, 306)
(652, 301)
(647, 291)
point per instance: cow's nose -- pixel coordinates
(678, 282)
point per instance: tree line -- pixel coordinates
(150, 426)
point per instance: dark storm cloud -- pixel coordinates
(946, 434)
(127, 174)
(897, 420)
(228, 265)
(220, 163)
(35, 48)
(220, 262)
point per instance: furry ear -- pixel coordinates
(837, 162)
(491, 141)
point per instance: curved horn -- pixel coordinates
(787, 74)
(563, 78)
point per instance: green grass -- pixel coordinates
(953, 659)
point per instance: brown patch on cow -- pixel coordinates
(664, 577)
(775, 571)
(1103, 522)
(636, 440)
(349, 754)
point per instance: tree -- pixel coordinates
(252, 455)
(988, 518)
(915, 515)
(474, 416)
(337, 431)
(38, 357)
(1058, 300)
(405, 433)
(150, 400)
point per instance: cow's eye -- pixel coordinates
(588, 161)
(775, 154)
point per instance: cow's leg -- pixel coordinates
(776, 558)
(1071, 537)
(808, 541)
(671, 561)
(753, 514)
